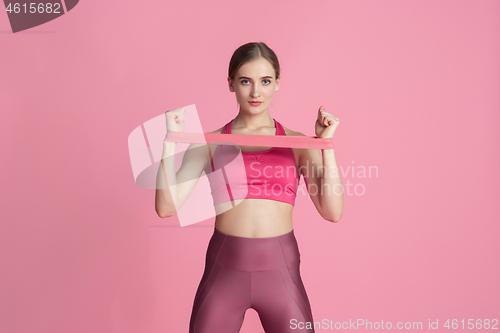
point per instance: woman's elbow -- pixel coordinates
(164, 208)
(332, 217)
(336, 219)
(165, 213)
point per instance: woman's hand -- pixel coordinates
(175, 120)
(326, 124)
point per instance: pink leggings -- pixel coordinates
(258, 273)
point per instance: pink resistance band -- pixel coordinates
(285, 141)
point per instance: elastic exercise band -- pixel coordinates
(285, 141)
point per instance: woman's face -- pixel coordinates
(254, 81)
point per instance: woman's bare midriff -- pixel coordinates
(256, 218)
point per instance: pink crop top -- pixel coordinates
(270, 174)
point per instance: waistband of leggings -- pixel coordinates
(256, 254)
(265, 242)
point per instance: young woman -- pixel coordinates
(253, 259)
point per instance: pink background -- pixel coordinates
(415, 85)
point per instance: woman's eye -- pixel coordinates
(243, 82)
(267, 81)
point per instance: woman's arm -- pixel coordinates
(173, 188)
(322, 178)
(320, 171)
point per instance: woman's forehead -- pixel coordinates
(256, 68)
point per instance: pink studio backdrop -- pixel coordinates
(414, 83)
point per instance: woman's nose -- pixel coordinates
(255, 90)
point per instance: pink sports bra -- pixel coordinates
(270, 174)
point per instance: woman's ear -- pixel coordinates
(230, 83)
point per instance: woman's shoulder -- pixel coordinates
(217, 131)
(197, 145)
(290, 132)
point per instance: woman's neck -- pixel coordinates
(253, 122)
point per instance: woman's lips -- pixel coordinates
(255, 103)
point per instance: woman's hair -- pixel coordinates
(251, 51)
